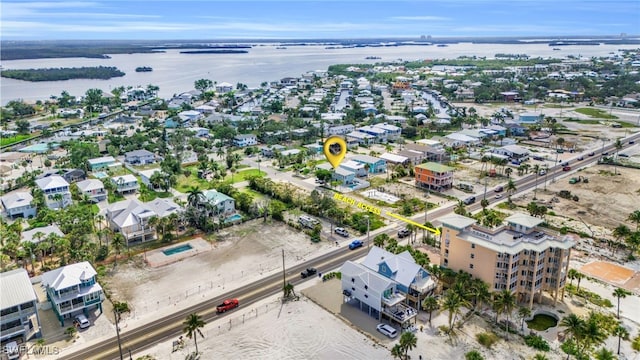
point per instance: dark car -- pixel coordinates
(308, 272)
(591, 153)
(566, 168)
(355, 244)
(403, 233)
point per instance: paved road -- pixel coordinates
(170, 327)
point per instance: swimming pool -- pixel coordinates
(39, 148)
(177, 249)
(234, 217)
(100, 175)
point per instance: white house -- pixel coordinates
(125, 183)
(340, 130)
(224, 205)
(243, 140)
(139, 157)
(190, 115)
(32, 235)
(514, 152)
(392, 132)
(19, 307)
(224, 87)
(56, 191)
(93, 188)
(18, 204)
(355, 167)
(131, 217)
(72, 290)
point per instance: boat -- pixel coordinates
(373, 58)
(144, 69)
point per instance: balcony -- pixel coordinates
(393, 299)
(13, 331)
(400, 312)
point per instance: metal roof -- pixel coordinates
(15, 288)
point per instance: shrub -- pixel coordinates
(537, 342)
(487, 339)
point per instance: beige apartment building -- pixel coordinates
(519, 256)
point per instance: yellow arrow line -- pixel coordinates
(434, 231)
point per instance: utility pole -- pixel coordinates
(284, 275)
(368, 242)
(117, 315)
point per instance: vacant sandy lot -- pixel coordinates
(604, 203)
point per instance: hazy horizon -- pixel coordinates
(313, 20)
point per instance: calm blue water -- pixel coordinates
(37, 148)
(100, 175)
(175, 73)
(177, 249)
(234, 217)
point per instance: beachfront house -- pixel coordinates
(434, 176)
(101, 163)
(244, 140)
(530, 118)
(20, 320)
(139, 157)
(93, 189)
(56, 191)
(125, 183)
(515, 153)
(18, 204)
(355, 167)
(39, 234)
(73, 290)
(343, 176)
(375, 165)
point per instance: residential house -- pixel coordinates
(139, 157)
(18, 204)
(314, 149)
(145, 177)
(72, 290)
(376, 165)
(189, 116)
(392, 132)
(411, 279)
(343, 176)
(56, 191)
(457, 140)
(101, 163)
(224, 205)
(414, 157)
(224, 87)
(289, 153)
(39, 234)
(20, 320)
(271, 150)
(339, 130)
(125, 183)
(520, 256)
(131, 218)
(199, 131)
(92, 188)
(515, 153)
(244, 140)
(379, 134)
(530, 118)
(395, 159)
(360, 138)
(434, 176)
(355, 167)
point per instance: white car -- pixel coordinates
(81, 321)
(341, 231)
(387, 330)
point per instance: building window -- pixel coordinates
(446, 251)
(473, 246)
(353, 280)
(366, 287)
(366, 296)
(470, 266)
(446, 261)
(473, 256)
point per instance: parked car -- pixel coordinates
(12, 350)
(566, 168)
(499, 188)
(355, 244)
(580, 158)
(308, 272)
(81, 321)
(591, 154)
(498, 196)
(341, 231)
(387, 330)
(227, 305)
(403, 233)
(469, 200)
(631, 142)
(542, 172)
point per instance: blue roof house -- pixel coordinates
(376, 165)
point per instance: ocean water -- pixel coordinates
(175, 73)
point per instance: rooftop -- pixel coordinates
(15, 288)
(68, 276)
(435, 167)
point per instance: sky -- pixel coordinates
(302, 19)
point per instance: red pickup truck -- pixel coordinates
(226, 305)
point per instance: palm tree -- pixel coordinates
(430, 304)
(618, 146)
(192, 326)
(604, 354)
(635, 217)
(195, 196)
(622, 333)
(479, 290)
(460, 208)
(536, 172)
(573, 325)
(620, 293)
(510, 188)
(540, 357)
(408, 341)
(507, 301)
(621, 232)
(572, 274)
(397, 352)
(452, 302)
(579, 277)
(524, 312)
(117, 243)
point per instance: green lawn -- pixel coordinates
(595, 113)
(541, 322)
(587, 122)
(254, 194)
(5, 141)
(242, 175)
(184, 184)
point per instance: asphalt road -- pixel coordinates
(170, 327)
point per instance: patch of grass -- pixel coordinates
(254, 194)
(185, 183)
(243, 175)
(537, 342)
(586, 122)
(487, 339)
(595, 113)
(5, 141)
(625, 124)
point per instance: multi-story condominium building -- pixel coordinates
(73, 289)
(56, 191)
(19, 307)
(18, 204)
(519, 256)
(434, 176)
